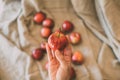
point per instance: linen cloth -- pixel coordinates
(96, 20)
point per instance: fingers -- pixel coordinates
(53, 53)
(60, 57)
(68, 54)
(49, 52)
(68, 51)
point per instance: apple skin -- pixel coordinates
(67, 26)
(37, 54)
(39, 17)
(72, 73)
(77, 58)
(48, 23)
(74, 37)
(45, 32)
(57, 40)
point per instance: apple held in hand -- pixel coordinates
(74, 37)
(77, 58)
(57, 40)
(39, 17)
(37, 54)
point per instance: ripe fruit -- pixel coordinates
(72, 73)
(67, 26)
(77, 58)
(39, 17)
(48, 23)
(37, 54)
(43, 46)
(46, 65)
(75, 37)
(57, 40)
(45, 32)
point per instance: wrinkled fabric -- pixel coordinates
(96, 20)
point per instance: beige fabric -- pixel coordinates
(99, 29)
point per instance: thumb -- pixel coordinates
(59, 57)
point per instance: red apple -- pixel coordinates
(75, 37)
(37, 54)
(72, 73)
(39, 17)
(46, 65)
(77, 58)
(57, 40)
(43, 46)
(45, 32)
(48, 23)
(67, 26)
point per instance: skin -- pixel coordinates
(59, 63)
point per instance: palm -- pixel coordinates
(59, 68)
(54, 66)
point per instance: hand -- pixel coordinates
(59, 63)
